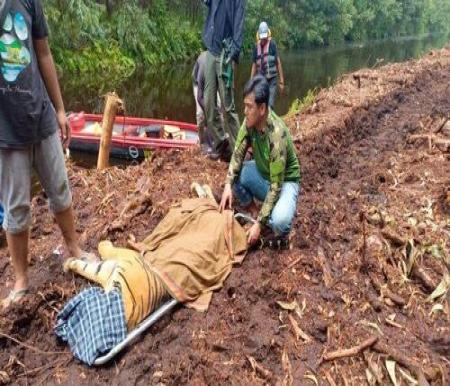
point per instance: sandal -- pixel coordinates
(14, 296)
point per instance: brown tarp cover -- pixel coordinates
(188, 255)
(193, 249)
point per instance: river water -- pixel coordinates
(166, 92)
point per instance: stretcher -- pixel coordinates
(164, 309)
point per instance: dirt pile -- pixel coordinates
(367, 271)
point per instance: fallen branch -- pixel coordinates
(349, 352)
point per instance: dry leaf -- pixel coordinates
(408, 377)
(288, 306)
(286, 363)
(441, 289)
(371, 324)
(370, 378)
(312, 378)
(437, 308)
(390, 367)
(299, 311)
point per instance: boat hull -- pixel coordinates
(130, 146)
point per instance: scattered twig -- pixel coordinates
(330, 378)
(266, 374)
(419, 273)
(395, 238)
(439, 126)
(350, 351)
(298, 332)
(33, 348)
(291, 265)
(385, 291)
(39, 369)
(327, 276)
(374, 368)
(429, 372)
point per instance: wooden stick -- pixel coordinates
(113, 103)
(350, 351)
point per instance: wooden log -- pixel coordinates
(112, 106)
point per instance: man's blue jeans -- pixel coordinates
(252, 184)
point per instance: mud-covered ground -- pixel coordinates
(370, 246)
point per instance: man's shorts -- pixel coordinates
(16, 165)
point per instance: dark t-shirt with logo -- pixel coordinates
(26, 113)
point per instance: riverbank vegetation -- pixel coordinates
(116, 36)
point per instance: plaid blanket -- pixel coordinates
(92, 323)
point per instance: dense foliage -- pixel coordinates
(118, 35)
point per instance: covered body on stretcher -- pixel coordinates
(187, 256)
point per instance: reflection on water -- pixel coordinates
(167, 92)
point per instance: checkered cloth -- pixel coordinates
(92, 323)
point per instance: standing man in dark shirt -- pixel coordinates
(222, 36)
(32, 119)
(267, 62)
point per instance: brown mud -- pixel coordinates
(369, 245)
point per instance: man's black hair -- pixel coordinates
(260, 87)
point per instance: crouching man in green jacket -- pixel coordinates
(273, 176)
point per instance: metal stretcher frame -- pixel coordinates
(143, 326)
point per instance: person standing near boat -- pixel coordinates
(267, 62)
(222, 36)
(198, 85)
(32, 119)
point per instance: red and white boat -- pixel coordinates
(132, 138)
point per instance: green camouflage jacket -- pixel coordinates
(274, 155)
